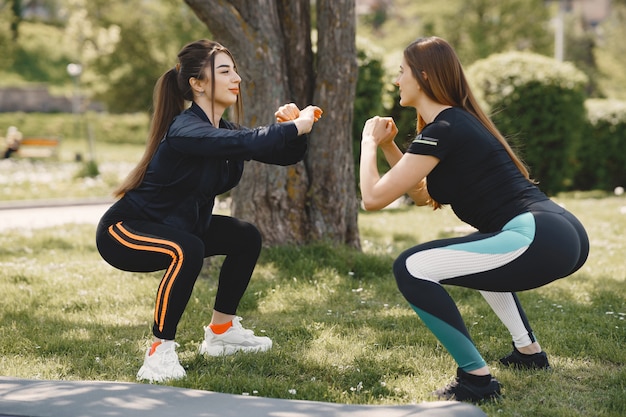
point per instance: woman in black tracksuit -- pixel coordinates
(524, 240)
(163, 219)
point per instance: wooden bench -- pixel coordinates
(39, 147)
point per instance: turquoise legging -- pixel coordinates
(531, 250)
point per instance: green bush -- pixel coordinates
(602, 156)
(538, 104)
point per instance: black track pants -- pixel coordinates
(142, 246)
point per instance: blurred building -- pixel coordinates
(593, 12)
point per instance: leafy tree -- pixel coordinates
(16, 8)
(34, 60)
(279, 62)
(86, 40)
(151, 33)
(479, 28)
(6, 42)
(610, 52)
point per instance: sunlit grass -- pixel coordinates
(341, 330)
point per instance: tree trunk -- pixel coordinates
(271, 41)
(333, 206)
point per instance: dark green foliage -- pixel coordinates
(538, 104)
(368, 99)
(602, 155)
(130, 90)
(89, 170)
(480, 28)
(32, 58)
(547, 123)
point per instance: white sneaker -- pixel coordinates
(162, 364)
(235, 339)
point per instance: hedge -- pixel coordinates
(602, 156)
(538, 104)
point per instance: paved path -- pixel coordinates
(32, 398)
(37, 214)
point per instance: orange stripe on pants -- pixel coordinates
(170, 248)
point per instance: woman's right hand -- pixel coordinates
(303, 119)
(287, 112)
(381, 130)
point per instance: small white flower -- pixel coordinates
(358, 387)
(292, 391)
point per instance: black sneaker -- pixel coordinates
(519, 360)
(461, 389)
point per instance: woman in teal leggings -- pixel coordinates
(531, 250)
(459, 158)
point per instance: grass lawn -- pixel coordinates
(341, 330)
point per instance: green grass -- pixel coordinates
(341, 330)
(26, 179)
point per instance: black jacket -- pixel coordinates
(196, 161)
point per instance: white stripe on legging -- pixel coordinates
(440, 263)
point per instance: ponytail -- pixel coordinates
(168, 102)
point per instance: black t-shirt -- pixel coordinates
(475, 174)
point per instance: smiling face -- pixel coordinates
(219, 87)
(227, 80)
(407, 85)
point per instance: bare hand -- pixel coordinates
(312, 111)
(290, 111)
(287, 112)
(303, 119)
(308, 116)
(381, 130)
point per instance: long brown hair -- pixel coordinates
(446, 84)
(171, 92)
